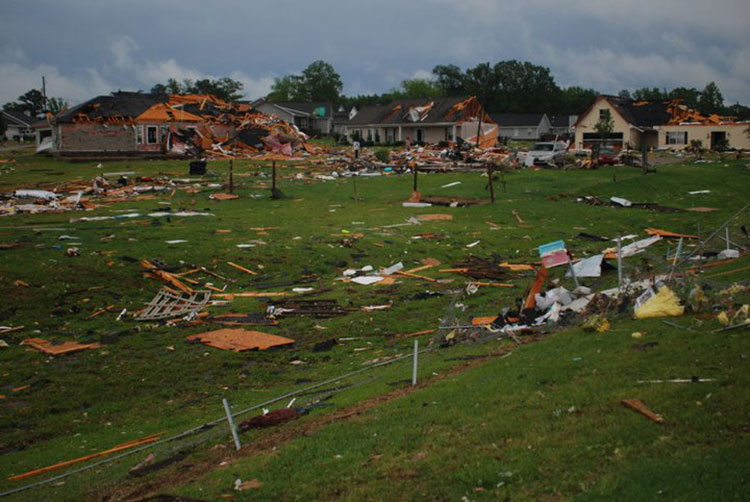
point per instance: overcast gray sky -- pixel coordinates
(90, 47)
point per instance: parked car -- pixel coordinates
(608, 156)
(548, 152)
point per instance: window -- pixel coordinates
(151, 135)
(603, 112)
(139, 135)
(677, 138)
(420, 135)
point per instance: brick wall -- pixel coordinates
(97, 137)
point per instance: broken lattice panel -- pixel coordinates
(167, 305)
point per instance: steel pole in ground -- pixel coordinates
(414, 369)
(231, 424)
(619, 262)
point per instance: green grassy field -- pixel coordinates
(543, 423)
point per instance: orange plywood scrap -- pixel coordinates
(483, 321)
(667, 233)
(517, 267)
(57, 349)
(536, 287)
(637, 405)
(164, 276)
(223, 196)
(240, 340)
(434, 217)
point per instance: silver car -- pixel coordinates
(545, 153)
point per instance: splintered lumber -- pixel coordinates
(248, 294)
(483, 321)
(667, 233)
(536, 287)
(418, 333)
(124, 446)
(453, 270)
(637, 405)
(493, 284)
(239, 267)
(518, 217)
(415, 276)
(418, 269)
(101, 311)
(154, 272)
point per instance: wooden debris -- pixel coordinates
(239, 340)
(418, 333)
(57, 349)
(518, 217)
(101, 311)
(124, 446)
(415, 276)
(154, 272)
(239, 267)
(637, 405)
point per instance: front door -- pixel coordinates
(718, 140)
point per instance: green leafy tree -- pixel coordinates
(419, 88)
(3, 127)
(711, 100)
(285, 89)
(320, 82)
(575, 100)
(652, 94)
(688, 95)
(450, 79)
(57, 105)
(224, 88)
(625, 94)
(696, 146)
(30, 103)
(604, 128)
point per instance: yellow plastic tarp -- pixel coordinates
(662, 304)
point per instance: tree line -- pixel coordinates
(504, 87)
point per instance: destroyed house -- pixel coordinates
(127, 123)
(312, 118)
(427, 120)
(522, 126)
(668, 125)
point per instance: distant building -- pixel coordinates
(312, 118)
(562, 125)
(20, 126)
(522, 126)
(427, 120)
(658, 124)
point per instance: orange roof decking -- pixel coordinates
(162, 112)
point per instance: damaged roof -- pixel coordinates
(121, 104)
(421, 111)
(655, 113)
(517, 119)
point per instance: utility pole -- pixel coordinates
(44, 94)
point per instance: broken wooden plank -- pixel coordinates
(415, 276)
(124, 446)
(101, 311)
(239, 267)
(637, 405)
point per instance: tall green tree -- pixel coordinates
(575, 100)
(57, 105)
(30, 103)
(224, 88)
(419, 88)
(650, 94)
(711, 99)
(286, 89)
(321, 82)
(450, 79)
(688, 95)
